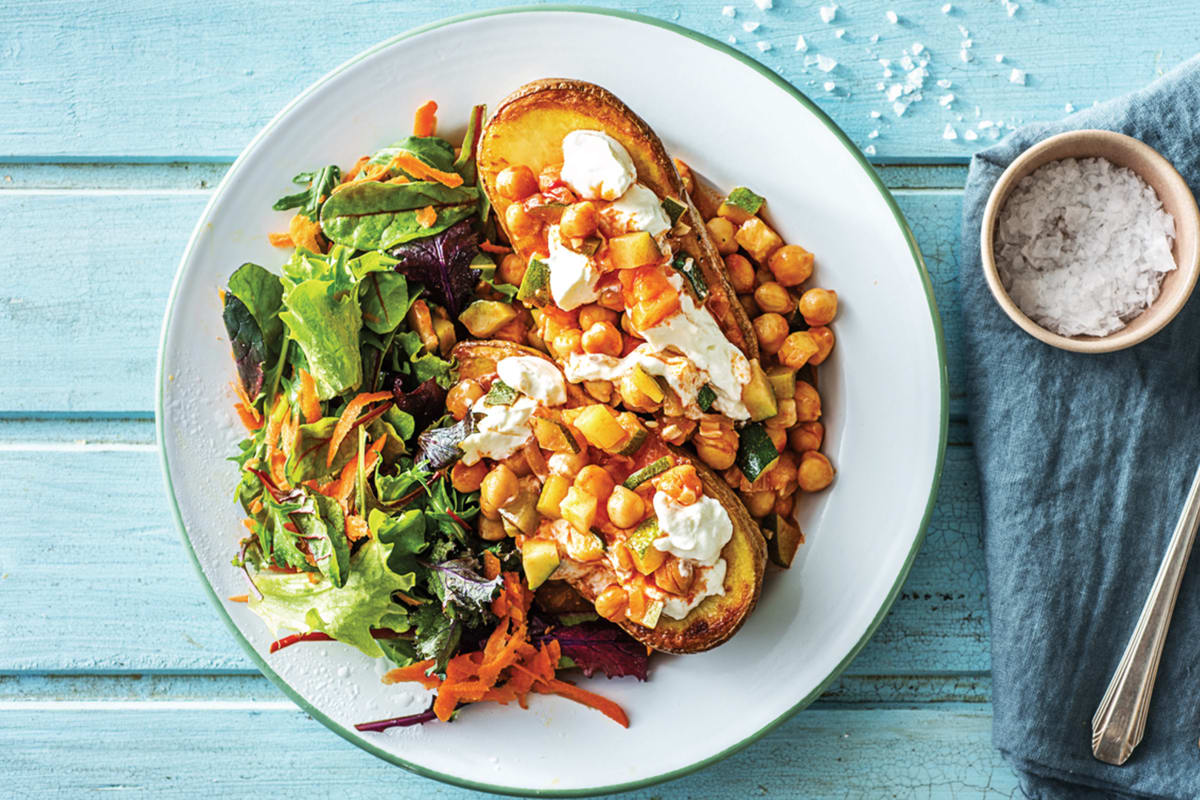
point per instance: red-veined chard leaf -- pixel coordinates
(369, 215)
(596, 647)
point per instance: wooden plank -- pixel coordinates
(151, 92)
(185, 751)
(144, 610)
(107, 298)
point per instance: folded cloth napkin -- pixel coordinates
(1085, 462)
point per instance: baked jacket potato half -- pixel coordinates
(718, 616)
(528, 127)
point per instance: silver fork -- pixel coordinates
(1120, 720)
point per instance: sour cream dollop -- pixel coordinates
(639, 209)
(677, 607)
(696, 532)
(499, 430)
(596, 166)
(534, 377)
(573, 277)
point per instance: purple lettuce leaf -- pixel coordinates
(424, 404)
(596, 647)
(439, 446)
(398, 722)
(442, 264)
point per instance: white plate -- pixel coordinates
(884, 391)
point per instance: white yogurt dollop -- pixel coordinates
(596, 166)
(573, 277)
(534, 377)
(500, 431)
(696, 532)
(639, 209)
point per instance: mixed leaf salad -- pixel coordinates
(354, 531)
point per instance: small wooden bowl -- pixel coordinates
(1176, 198)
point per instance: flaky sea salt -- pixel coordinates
(750, 26)
(801, 44)
(892, 17)
(828, 13)
(729, 11)
(826, 64)
(763, 46)
(1017, 76)
(1082, 246)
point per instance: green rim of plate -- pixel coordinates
(354, 736)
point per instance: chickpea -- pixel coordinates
(491, 530)
(806, 436)
(675, 577)
(520, 222)
(596, 481)
(763, 275)
(759, 504)
(716, 442)
(771, 329)
(516, 183)
(815, 472)
(797, 349)
(625, 507)
(785, 415)
(621, 554)
(681, 484)
(741, 273)
(818, 306)
(518, 464)
(612, 299)
(632, 395)
(773, 298)
(612, 603)
(808, 402)
(824, 339)
(600, 391)
(602, 337)
(791, 264)
(749, 306)
(467, 479)
(460, 398)
(567, 342)
(579, 221)
(591, 314)
(722, 232)
(498, 488)
(512, 269)
(778, 437)
(627, 324)
(785, 505)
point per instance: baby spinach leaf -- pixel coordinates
(246, 339)
(318, 184)
(262, 293)
(437, 153)
(375, 216)
(327, 331)
(443, 265)
(384, 299)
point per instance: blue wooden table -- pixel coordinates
(117, 118)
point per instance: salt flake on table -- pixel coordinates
(873, 134)
(970, 135)
(732, 39)
(763, 46)
(965, 55)
(1069, 108)
(892, 17)
(899, 108)
(917, 48)
(828, 13)
(729, 11)
(944, 83)
(949, 133)
(830, 86)
(875, 114)
(946, 99)
(999, 58)
(825, 63)
(763, 5)
(840, 33)
(869, 149)
(801, 44)
(946, 9)
(750, 26)
(1017, 76)
(1011, 8)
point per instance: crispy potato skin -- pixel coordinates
(716, 618)
(528, 128)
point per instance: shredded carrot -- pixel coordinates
(289, 432)
(279, 239)
(422, 171)
(488, 247)
(425, 120)
(349, 415)
(352, 173)
(245, 408)
(249, 523)
(340, 487)
(427, 217)
(309, 402)
(256, 505)
(240, 598)
(590, 699)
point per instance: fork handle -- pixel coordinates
(1120, 720)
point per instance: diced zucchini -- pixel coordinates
(651, 615)
(785, 540)
(673, 209)
(501, 394)
(646, 557)
(633, 250)
(553, 491)
(705, 398)
(740, 205)
(756, 451)
(535, 286)
(691, 271)
(521, 514)
(484, 317)
(651, 470)
(636, 431)
(548, 213)
(757, 238)
(539, 557)
(585, 546)
(578, 508)
(646, 384)
(554, 436)
(589, 246)
(758, 395)
(782, 380)
(598, 424)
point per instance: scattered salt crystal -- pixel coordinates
(828, 13)
(879, 86)
(944, 83)
(966, 44)
(732, 39)
(874, 38)
(946, 9)
(869, 149)
(965, 33)
(729, 11)
(999, 58)
(894, 91)
(763, 46)
(917, 48)
(873, 134)
(830, 86)
(825, 63)
(970, 135)
(875, 114)
(1017, 76)
(899, 109)
(840, 33)
(985, 123)
(964, 55)
(763, 5)
(801, 44)
(891, 17)
(1011, 8)
(946, 99)
(1069, 108)
(906, 62)
(949, 133)
(750, 26)
(1082, 246)
(887, 73)
(885, 62)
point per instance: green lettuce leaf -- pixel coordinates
(326, 327)
(347, 613)
(317, 184)
(385, 300)
(375, 216)
(262, 293)
(435, 152)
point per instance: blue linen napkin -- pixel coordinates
(1085, 461)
